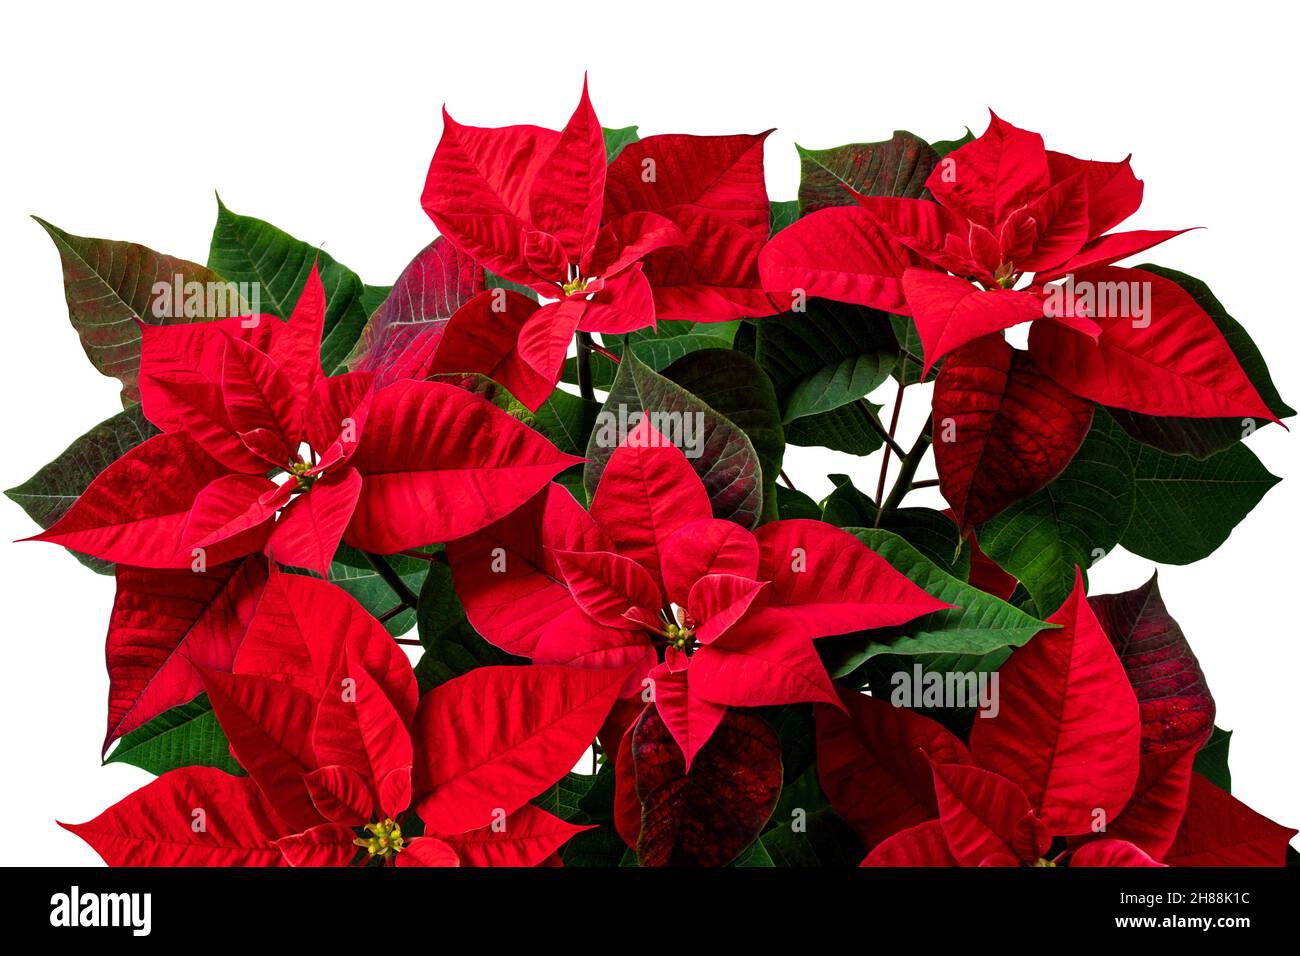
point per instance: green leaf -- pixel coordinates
(908, 369)
(945, 146)
(656, 350)
(1185, 507)
(1202, 437)
(109, 286)
(1211, 760)
(718, 449)
(48, 494)
(847, 429)
(732, 384)
(795, 504)
(1075, 520)
(754, 855)
(820, 838)
(977, 625)
(929, 531)
(616, 139)
(564, 798)
(451, 645)
(352, 572)
(373, 296)
(781, 213)
(566, 420)
(185, 736)
(245, 249)
(827, 357)
(895, 167)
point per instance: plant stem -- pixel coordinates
(906, 472)
(585, 346)
(433, 557)
(879, 429)
(601, 350)
(392, 579)
(925, 483)
(884, 462)
(786, 478)
(392, 612)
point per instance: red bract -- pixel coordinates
(1009, 221)
(649, 570)
(1061, 758)
(675, 223)
(400, 467)
(325, 722)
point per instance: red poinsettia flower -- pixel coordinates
(650, 573)
(675, 223)
(1016, 233)
(345, 768)
(1061, 759)
(243, 399)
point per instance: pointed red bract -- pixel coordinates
(481, 466)
(1220, 830)
(1165, 358)
(195, 816)
(707, 815)
(986, 818)
(498, 735)
(873, 763)
(1073, 759)
(1003, 429)
(164, 625)
(647, 492)
(301, 631)
(1176, 708)
(524, 838)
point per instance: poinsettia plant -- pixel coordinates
(499, 565)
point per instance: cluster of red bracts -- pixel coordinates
(650, 624)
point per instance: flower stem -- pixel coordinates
(889, 446)
(906, 472)
(879, 429)
(585, 346)
(392, 579)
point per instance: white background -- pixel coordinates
(121, 119)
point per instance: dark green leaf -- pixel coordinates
(1185, 507)
(827, 357)
(109, 286)
(977, 624)
(1202, 437)
(847, 429)
(782, 213)
(896, 167)
(733, 385)
(451, 645)
(185, 736)
(945, 146)
(1212, 759)
(354, 574)
(795, 504)
(616, 139)
(819, 838)
(718, 449)
(245, 249)
(49, 493)
(929, 531)
(1074, 521)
